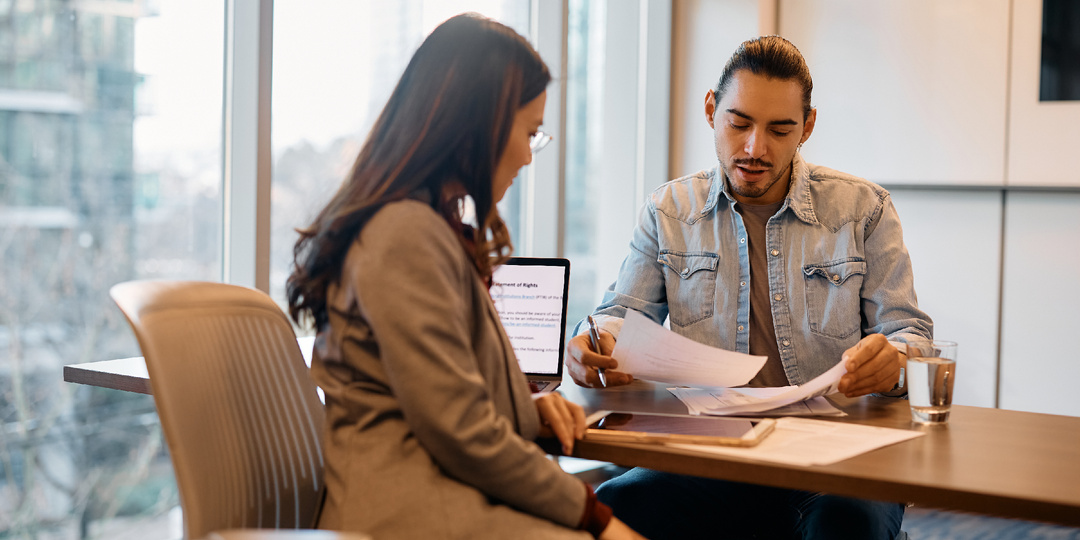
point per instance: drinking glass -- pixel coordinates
(931, 372)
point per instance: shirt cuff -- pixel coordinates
(901, 391)
(597, 515)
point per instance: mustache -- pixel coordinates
(753, 162)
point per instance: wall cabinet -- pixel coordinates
(1043, 136)
(911, 92)
(938, 101)
(954, 238)
(1041, 303)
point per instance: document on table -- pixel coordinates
(650, 352)
(699, 400)
(805, 441)
(728, 401)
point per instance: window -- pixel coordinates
(323, 110)
(110, 170)
(112, 167)
(618, 73)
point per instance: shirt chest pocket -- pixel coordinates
(833, 296)
(690, 279)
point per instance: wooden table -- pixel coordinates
(990, 461)
(130, 375)
(127, 374)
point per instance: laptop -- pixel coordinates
(530, 295)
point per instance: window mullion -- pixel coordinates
(246, 140)
(543, 212)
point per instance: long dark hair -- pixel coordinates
(441, 132)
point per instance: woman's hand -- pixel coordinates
(560, 418)
(617, 530)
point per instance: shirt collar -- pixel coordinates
(798, 198)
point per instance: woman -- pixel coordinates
(429, 419)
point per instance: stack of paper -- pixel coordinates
(700, 401)
(804, 441)
(736, 401)
(651, 352)
(648, 351)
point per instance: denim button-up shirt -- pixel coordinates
(838, 268)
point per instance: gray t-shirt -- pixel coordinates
(762, 333)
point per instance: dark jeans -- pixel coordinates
(662, 505)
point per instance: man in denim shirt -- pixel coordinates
(768, 255)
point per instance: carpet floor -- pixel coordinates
(930, 524)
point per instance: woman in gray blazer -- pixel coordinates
(430, 422)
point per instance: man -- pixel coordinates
(769, 255)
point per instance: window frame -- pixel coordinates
(246, 153)
(247, 159)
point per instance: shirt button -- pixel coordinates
(742, 283)
(778, 297)
(786, 342)
(775, 252)
(740, 328)
(836, 278)
(742, 240)
(685, 271)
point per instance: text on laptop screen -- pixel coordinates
(529, 300)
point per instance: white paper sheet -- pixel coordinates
(699, 400)
(745, 400)
(806, 442)
(651, 352)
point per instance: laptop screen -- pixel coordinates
(530, 296)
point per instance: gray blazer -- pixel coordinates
(429, 420)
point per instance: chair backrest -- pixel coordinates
(260, 534)
(240, 413)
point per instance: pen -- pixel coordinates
(594, 336)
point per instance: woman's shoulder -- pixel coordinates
(407, 221)
(406, 232)
(404, 212)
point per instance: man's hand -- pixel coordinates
(583, 363)
(873, 365)
(559, 418)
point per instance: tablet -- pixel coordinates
(663, 428)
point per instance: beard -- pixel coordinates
(755, 190)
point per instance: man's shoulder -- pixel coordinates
(699, 182)
(684, 197)
(833, 198)
(824, 181)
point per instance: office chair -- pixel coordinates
(240, 413)
(263, 534)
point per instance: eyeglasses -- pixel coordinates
(538, 141)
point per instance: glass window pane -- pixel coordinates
(334, 69)
(110, 170)
(584, 118)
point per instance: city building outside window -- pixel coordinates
(110, 170)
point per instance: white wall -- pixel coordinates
(907, 92)
(704, 33)
(953, 237)
(919, 96)
(1043, 137)
(1041, 304)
